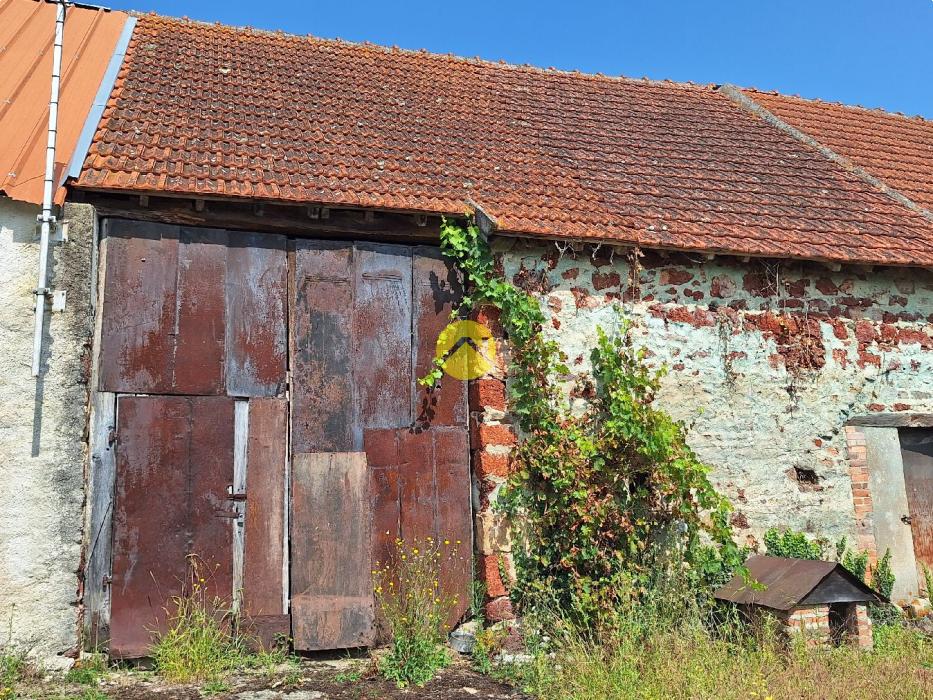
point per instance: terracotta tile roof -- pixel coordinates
(892, 147)
(27, 34)
(215, 111)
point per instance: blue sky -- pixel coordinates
(877, 53)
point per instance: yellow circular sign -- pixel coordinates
(466, 350)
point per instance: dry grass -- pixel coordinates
(693, 665)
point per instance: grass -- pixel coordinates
(202, 643)
(691, 663)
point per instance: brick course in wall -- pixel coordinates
(857, 450)
(492, 438)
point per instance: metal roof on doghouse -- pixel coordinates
(793, 583)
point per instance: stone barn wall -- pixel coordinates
(42, 434)
(768, 360)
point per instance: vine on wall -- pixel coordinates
(611, 500)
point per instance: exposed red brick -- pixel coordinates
(876, 407)
(867, 358)
(675, 275)
(583, 298)
(826, 286)
(485, 435)
(489, 574)
(902, 407)
(839, 329)
(722, 287)
(841, 357)
(487, 393)
(759, 284)
(570, 273)
(865, 332)
(604, 280)
(487, 464)
(554, 303)
(797, 288)
(913, 335)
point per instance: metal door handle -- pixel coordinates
(906, 519)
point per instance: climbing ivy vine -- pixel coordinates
(610, 499)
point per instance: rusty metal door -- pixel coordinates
(196, 320)
(171, 513)
(917, 453)
(364, 323)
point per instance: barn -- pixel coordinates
(254, 286)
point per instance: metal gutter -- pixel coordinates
(100, 102)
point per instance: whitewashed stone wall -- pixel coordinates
(767, 361)
(42, 435)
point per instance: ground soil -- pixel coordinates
(318, 681)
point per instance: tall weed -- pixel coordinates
(199, 643)
(413, 610)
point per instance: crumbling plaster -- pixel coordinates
(42, 434)
(767, 360)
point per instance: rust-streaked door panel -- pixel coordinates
(365, 320)
(332, 603)
(193, 311)
(382, 336)
(324, 414)
(200, 357)
(453, 496)
(917, 453)
(435, 290)
(256, 314)
(174, 460)
(138, 315)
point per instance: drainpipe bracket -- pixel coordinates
(58, 230)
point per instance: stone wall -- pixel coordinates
(767, 362)
(42, 433)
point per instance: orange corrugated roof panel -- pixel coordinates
(214, 111)
(27, 33)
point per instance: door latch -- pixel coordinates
(231, 496)
(906, 519)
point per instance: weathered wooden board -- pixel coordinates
(917, 453)
(138, 316)
(382, 338)
(256, 341)
(174, 460)
(264, 560)
(435, 290)
(200, 357)
(323, 410)
(332, 603)
(100, 490)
